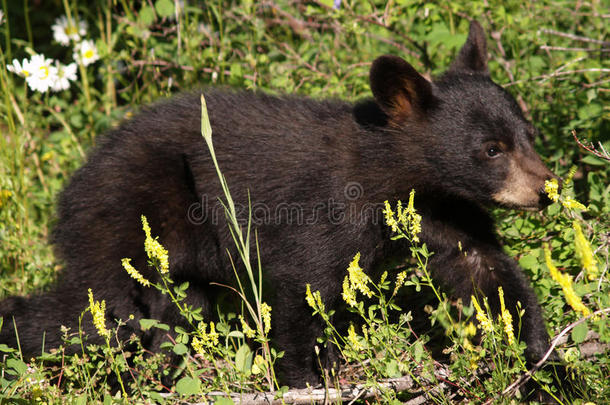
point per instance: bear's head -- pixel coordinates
(475, 141)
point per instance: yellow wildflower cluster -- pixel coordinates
(353, 338)
(583, 250)
(568, 179)
(485, 323)
(198, 345)
(98, 310)
(248, 331)
(565, 281)
(551, 187)
(390, 220)
(349, 294)
(266, 315)
(470, 329)
(572, 204)
(4, 196)
(365, 333)
(473, 352)
(400, 280)
(205, 338)
(134, 273)
(405, 218)
(314, 300)
(356, 280)
(410, 217)
(154, 249)
(506, 318)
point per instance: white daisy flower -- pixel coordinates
(1, 17)
(63, 32)
(86, 52)
(65, 75)
(22, 69)
(42, 74)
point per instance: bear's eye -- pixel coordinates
(493, 151)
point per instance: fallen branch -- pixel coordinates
(348, 395)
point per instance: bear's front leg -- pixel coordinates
(480, 270)
(295, 330)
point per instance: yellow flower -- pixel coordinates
(389, 217)
(208, 339)
(357, 277)
(570, 176)
(406, 218)
(470, 329)
(565, 281)
(551, 187)
(353, 338)
(4, 196)
(314, 300)
(134, 273)
(572, 204)
(410, 219)
(248, 331)
(506, 318)
(266, 315)
(484, 323)
(98, 310)
(154, 249)
(583, 250)
(348, 294)
(400, 280)
(198, 345)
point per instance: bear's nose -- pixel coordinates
(544, 200)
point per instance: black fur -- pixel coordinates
(317, 172)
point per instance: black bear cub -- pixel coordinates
(460, 141)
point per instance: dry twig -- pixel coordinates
(591, 148)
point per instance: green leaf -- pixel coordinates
(165, 8)
(243, 359)
(146, 16)
(5, 348)
(17, 365)
(188, 386)
(82, 400)
(529, 261)
(180, 349)
(579, 333)
(391, 369)
(146, 324)
(593, 161)
(588, 111)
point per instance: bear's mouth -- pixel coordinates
(523, 188)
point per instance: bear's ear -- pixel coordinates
(399, 90)
(473, 55)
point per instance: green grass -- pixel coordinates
(547, 53)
